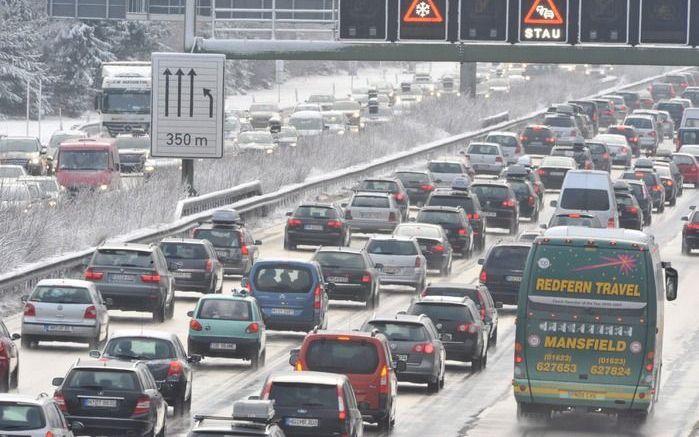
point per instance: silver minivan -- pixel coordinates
(372, 212)
(648, 130)
(590, 192)
(68, 310)
(486, 158)
(398, 260)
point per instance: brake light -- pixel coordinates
(474, 216)
(334, 224)
(541, 172)
(418, 261)
(483, 276)
(266, 390)
(605, 155)
(151, 277)
(175, 369)
(607, 112)
(551, 140)
(49, 434)
(341, 413)
(90, 312)
(29, 310)
(518, 350)
(392, 217)
(684, 84)
(482, 311)
(594, 116)
(194, 325)
(348, 214)
(438, 248)
(462, 231)
(471, 328)
(209, 265)
(657, 188)
(253, 328)
(652, 134)
(692, 226)
(60, 401)
(426, 187)
(248, 286)
(668, 183)
(518, 149)
(523, 138)
(573, 132)
(383, 381)
(142, 406)
(366, 278)
(531, 200)
(424, 348)
(293, 222)
(91, 275)
(316, 297)
(649, 361)
(611, 223)
(399, 197)
(574, 215)
(632, 209)
(509, 203)
(498, 159)
(588, 165)
(633, 139)
(244, 250)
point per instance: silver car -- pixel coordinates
(445, 172)
(398, 260)
(565, 128)
(486, 158)
(33, 417)
(372, 212)
(647, 129)
(64, 310)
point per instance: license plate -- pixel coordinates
(337, 279)
(513, 278)
(313, 227)
(121, 278)
(584, 395)
(223, 346)
(489, 214)
(99, 403)
(181, 275)
(445, 337)
(536, 143)
(58, 328)
(613, 155)
(423, 247)
(283, 311)
(298, 421)
(222, 252)
(556, 173)
(391, 270)
(401, 357)
(569, 153)
(371, 215)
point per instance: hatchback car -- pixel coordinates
(64, 310)
(314, 404)
(24, 416)
(365, 358)
(415, 341)
(553, 169)
(502, 269)
(564, 127)
(690, 231)
(165, 357)
(398, 260)
(579, 152)
(196, 265)
(434, 244)
(662, 91)
(454, 222)
(675, 108)
(689, 167)
(629, 132)
(526, 197)
(538, 139)
(418, 184)
(111, 398)
(671, 188)
(390, 186)
(606, 112)
(251, 418)
(316, 223)
(229, 327)
(352, 272)
(372, 212)
(135, 277)
(647, 129)
(471, 206)
(486, 158)
(644, 199)
(620, 151)
(291, 294)
(499, 204)
(461, 330)
(653, 183)
(445, 171)
(600, 155)
(526, 172)
(630, 213)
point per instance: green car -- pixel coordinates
(228, 326)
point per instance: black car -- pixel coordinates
(112, 398)
(653, 183)
(690, 231)
(600, 155)
(579, 152)
(526, 172)
(527, 198)
(469, 203)
(454, 222)
(676, 110)
(461, 330)
(644, 199)
(194, 264)
(165, 357)
(630, 212)
(392, 186)
(251, 418)
(674, 170)
(316, 224)
(590, 108)
(632, 137)
(498, 203)
(502, 270)
(631, 98)
(434, 244)
(352, 272)
(479, 294)
(418, 184)
(314, 404)
(668, 181)
(553, 169)
(662, 90)
(537, 139)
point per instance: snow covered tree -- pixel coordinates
(132, 40)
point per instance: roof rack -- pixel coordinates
(260, 411)
(228, 216)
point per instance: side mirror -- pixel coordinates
(693, 207)
(173, 266)
(257, 242)
(108, 301)
(685, 218)
(244, 281)
(254, 398)
(344, 204)
(498, 305)
(15, 336)
(57, 382)
(194, 358)
(294, 356)
(94, 354)
(76, 426)
(190, 313)
(43, 150)
(378, 266)
(289, 213)
(481, 261)
(671, 282)
(400, 366)
(543, 226)
(24, 298)
(554, 203)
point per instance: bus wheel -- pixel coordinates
(533, 413)
(631, 419)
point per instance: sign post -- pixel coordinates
(423, 19)
(543, 20)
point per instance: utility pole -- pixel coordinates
(190, 28)
(467, 79)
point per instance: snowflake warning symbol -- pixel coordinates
(423, 11)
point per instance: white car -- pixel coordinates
(34, 417)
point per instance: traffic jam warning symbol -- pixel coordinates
(543, 20)
(423, 11)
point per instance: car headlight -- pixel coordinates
(356, 114)
(104, 187)
(52, 203)
(35, 160)
(149, 169)
(63, 188)
(269, 151)
(341, 132)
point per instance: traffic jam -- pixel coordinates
(531, 251)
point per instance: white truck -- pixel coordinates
(125, 97)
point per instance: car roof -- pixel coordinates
(455, 285)
(149, 333)
(598, 233)
(78, 283)
(489, 182)
(449, 300)
(317, 205)
(511, 243)
(308, 114)
(197, 241)
(343, 249)
(503, 133)
(309, 377)
(126, 246)
(391, 237)
(24, 399)
(454, 209)
(372, 194)
(386, 179)
(286, 261)
(106, 364)
(400, 318)
(445, 161)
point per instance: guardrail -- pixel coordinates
(217, 199)
(21, 281)
(495, 119)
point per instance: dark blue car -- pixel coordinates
(291, 294)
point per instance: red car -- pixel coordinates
(365, 358)
(9, 360)
(688, 166)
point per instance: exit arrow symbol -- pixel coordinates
(191, 75)
(167, 74)
(179, 74)
(207, 93)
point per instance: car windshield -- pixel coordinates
(414, 230)
(83, 160)
(310, 123)
(463, 201)
(438, 312)
(482, 149)
(140, 348)
(490, 192)
(445, 167)
(396, 331)
(17, 416)
(520, 188)
(122, 258)
(320, 98)
(447, 291)
(333, 118)
(559, 121)
(346, 106)
(28, 145)
(624, 200)
(102, 379)
(142, 142)
(184, 250)
(219, 237)
(340, 260)
(508, 257)
(392, 247)
(384, 186)
(575, 220)
(412, 179)
(298, 395)
(557, 161)
(342, 356)
(596, 148)
(57, 139)
(371, 202)
(537, 132)
(283, 279)
(62, 295)
(255, 137)
(320, 212)
(439, 217)
(261, 107)
(619, 140)
(505, 140)
(225, 309)
(689, 136)
(647, 177)
(585, 199)
(115, 101)
(639, 123)
(683, 159)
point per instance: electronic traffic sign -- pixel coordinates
(543, 20)
(423, 19)
(483, 20)
(363, 19)
(665, 21)
(604, 21)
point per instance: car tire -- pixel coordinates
(159, 314)
(288, 245)
(441, 381)
(14, 379)
(386, 423)
(673, 202)
(685, 248)
(5, 384)
(370, 301)
(494, 338)
(477, 365)
(255, 359)
(27, 342)
(180, 406)
(170, 310)
(433, 387)
(661, 208)
(94, 343)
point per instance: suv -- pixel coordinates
(630, 213)
(415, 341)
(644, 199)
(434, 244)
(527, 198)
(418, 184)
(112, 397)
(688, 166)
(564, 127)
(590, 109)
(234, 244)
(316, 223)
(502, 270)
(538, 139)
(600, 155)
(24, 416)
(372, 212)
(662, 91)
(254, 418)
(314, 404)
(195, 264)
(485, 158)
(648, 131)
(461, 330)
(472, 208)
(27, 152)
(454, 222)
(135, 277)
(653, 183)
(399, 261)
(499, 204)
(579, 152)
(392, 186)
(690, 231)
(509, 144)
(445, 171)
(353, 273)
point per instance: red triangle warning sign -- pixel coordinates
(543, 12)
(423, 11)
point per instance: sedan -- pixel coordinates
(553, 169)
